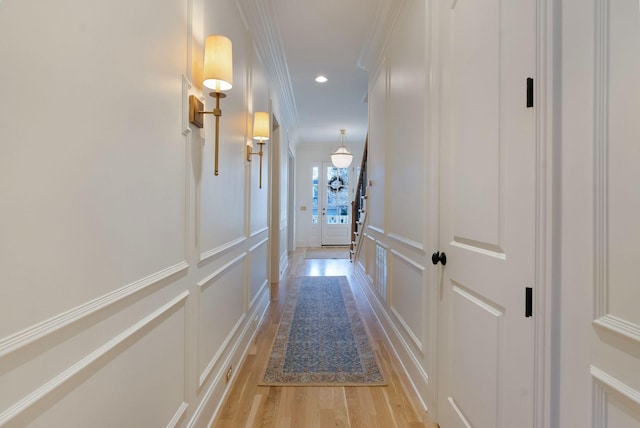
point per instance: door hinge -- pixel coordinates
(528, 310)
(529, 92)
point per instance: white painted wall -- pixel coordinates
(377, 147)
(279, 201)
(406, 130)
(400, 207)
(131, 276)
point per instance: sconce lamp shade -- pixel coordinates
(261, 125)
(218, 63)
(342, 157)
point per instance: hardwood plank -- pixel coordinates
(250, 405)
(252, 420)
(270, 409)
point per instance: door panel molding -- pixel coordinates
(479, 247)
(476, 344)
(614, 403)
(616, 325)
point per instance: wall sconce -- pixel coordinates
(342, 157)
(218, 76)
(261, 133)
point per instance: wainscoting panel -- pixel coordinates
(407, 295)
(369, 253)
(407, 242)
(257, 270)
(18, 340)
(33, 357)
(122, 372)
(225, 248)
(403, 348)
(220, 313)
(284, 259)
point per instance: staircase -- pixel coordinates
(358, 208)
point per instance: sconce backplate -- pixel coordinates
(195, 111)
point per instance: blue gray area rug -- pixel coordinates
(321, 339)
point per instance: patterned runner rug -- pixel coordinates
(321, 339)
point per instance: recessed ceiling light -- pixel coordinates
(321, 79)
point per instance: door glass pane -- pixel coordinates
(337, 195)
(314, 197)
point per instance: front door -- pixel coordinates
(334, 205)
(487, 195)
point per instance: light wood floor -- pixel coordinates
(249, 405)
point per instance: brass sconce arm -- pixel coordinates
(260, 153)
(217, 113)
(196, 113)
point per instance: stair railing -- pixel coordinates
(358, 207)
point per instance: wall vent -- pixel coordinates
(381, 272)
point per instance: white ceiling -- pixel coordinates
(326, 37)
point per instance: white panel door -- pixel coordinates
(335, 205)
(487, 219)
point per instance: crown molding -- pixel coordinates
(373, 49)
(260, 19)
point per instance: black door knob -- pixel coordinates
(439, 257)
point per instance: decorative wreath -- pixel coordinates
(336, 184)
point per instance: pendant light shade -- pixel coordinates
(342, 157)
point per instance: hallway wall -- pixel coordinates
(279, 202)
(398, 237)
(132, 278)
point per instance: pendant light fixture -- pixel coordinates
(342, 157)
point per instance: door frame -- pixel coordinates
(291, 188)
(547, 127)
